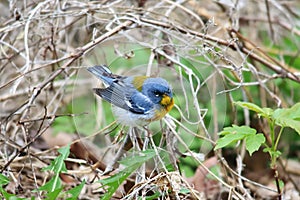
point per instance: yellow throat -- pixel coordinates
(167, 102)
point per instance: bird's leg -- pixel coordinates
(171, 143)
(141, 172)
(137, 142)
(149, 133)
(133, 133)
(118, 137)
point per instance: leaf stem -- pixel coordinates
(278, 138)
(272, 133)
(273, 145)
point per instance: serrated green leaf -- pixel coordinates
(9, 196)
(234, 134)
(53, 194)
(75, 192)
(250, 106)
(228, 139)
(53, 184)
(273, 153)
(268, 111)
(253, 142)
(265, 112)
(138, 158)
(115, 181)
(5, 194)
(58, 164)
(3, 180)
(240, 130)
(64, 151)
(288, 117)
(184, 191)
(281, 184)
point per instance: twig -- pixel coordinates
(269, 19)
(39, 133)
(244, 49)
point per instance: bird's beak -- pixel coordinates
(167, 102)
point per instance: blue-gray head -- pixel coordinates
(158, 90)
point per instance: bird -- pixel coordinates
(137, 100)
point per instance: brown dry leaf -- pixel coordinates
(200, 181)
(60, 139)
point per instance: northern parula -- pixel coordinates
(137, 100)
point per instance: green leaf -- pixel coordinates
(228, 139)
(233, 134)
(3, 180)
(5, 194)
(272, 153)
(253, 142)
(250, 106)
(243, 130)
(236, 133)
(138, 158)
(58, 164)
(8, 196)
(185, 191)
(281, 184)
(265, 112)
(53, 184)
(115, 181)
(53, 194)
(268, 112)
(288, 117)
(187, 165)
(75, 192)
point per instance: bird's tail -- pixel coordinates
(102, 72)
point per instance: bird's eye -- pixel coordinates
(156, 93)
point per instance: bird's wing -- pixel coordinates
(139, 103)
(125, 96)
